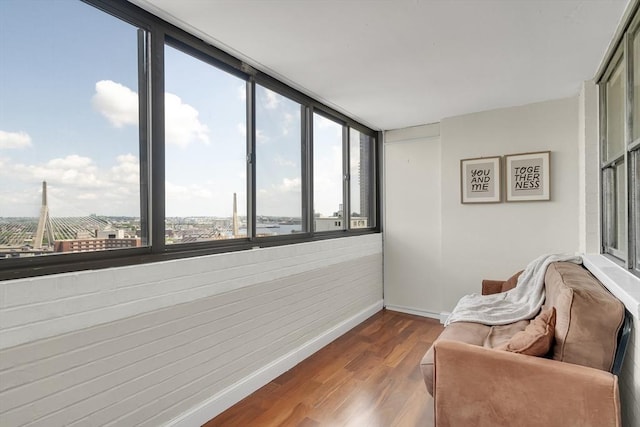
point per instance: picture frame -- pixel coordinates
(528, 176)
(480, 180)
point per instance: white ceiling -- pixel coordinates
(399, 63)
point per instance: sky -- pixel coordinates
(69, 115)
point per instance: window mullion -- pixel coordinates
(157, 190)
(251, 158)
(346, 179)
(308, 164)
(144, 132)
(629, 158)
(305, 164)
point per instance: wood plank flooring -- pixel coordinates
(368, 377)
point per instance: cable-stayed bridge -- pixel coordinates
(18, 232)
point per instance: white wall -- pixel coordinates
(588, 167)
(495, 240)
(630, 380)
(179, 340)
(626, 287)
(455, 246)
(412, 232)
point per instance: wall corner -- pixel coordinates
(588, 169)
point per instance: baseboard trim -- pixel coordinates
(441, 316)
(233, 394)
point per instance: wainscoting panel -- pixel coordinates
(207, 328)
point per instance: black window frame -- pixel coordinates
(156, 34)
(621, 55)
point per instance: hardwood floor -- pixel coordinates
(368, 377)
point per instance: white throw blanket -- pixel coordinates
(522, 302)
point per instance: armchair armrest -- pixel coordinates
(477, 386)
(496, 286)
(490, 287)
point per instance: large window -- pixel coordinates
(620, 151)
(343, 176)
(361, 151)
(278, 138)
(126, 140)
(71, 142)
(205, 151)
(327, 175)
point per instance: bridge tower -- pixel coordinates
(44, 223)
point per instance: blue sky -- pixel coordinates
(68, 115)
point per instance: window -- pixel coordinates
(620, 151)
(125, 140)
(71, 135)
(360, 176)
(327, 174)
(205, 151)
(636, 86)
(278, 164)
(343, 176)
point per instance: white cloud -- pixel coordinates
(119, 105)
(242, 129)
(10, 140)
(323, 123)
(88, 196)
(261, 138)
(77, 186)
(127, 170)
(282, 198)
(281, 161)
(272, 99)
(183, 124)
(70, 170)
(116, 102)
(287, 123)
(289, 185)
(327, 179)
(242, 92)
(201, 200)
(180, 193)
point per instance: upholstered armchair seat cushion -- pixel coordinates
(471, 333)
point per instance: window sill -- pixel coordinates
(621, 283)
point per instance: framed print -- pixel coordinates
(528, 176)
(480, 180)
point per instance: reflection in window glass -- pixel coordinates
(615, 113)
(278, 164)
(621, 209)
(615, 208)
(636, 202)
(327, 175)
(636, 86)
(361, 173)
(609, 206)
(205, 151)
(68, 118)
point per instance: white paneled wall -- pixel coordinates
(630, 380)
(180, 341)
(626, 287)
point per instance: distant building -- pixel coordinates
(366, 175)
(90, 245)
(110, 234)
(336, 223)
